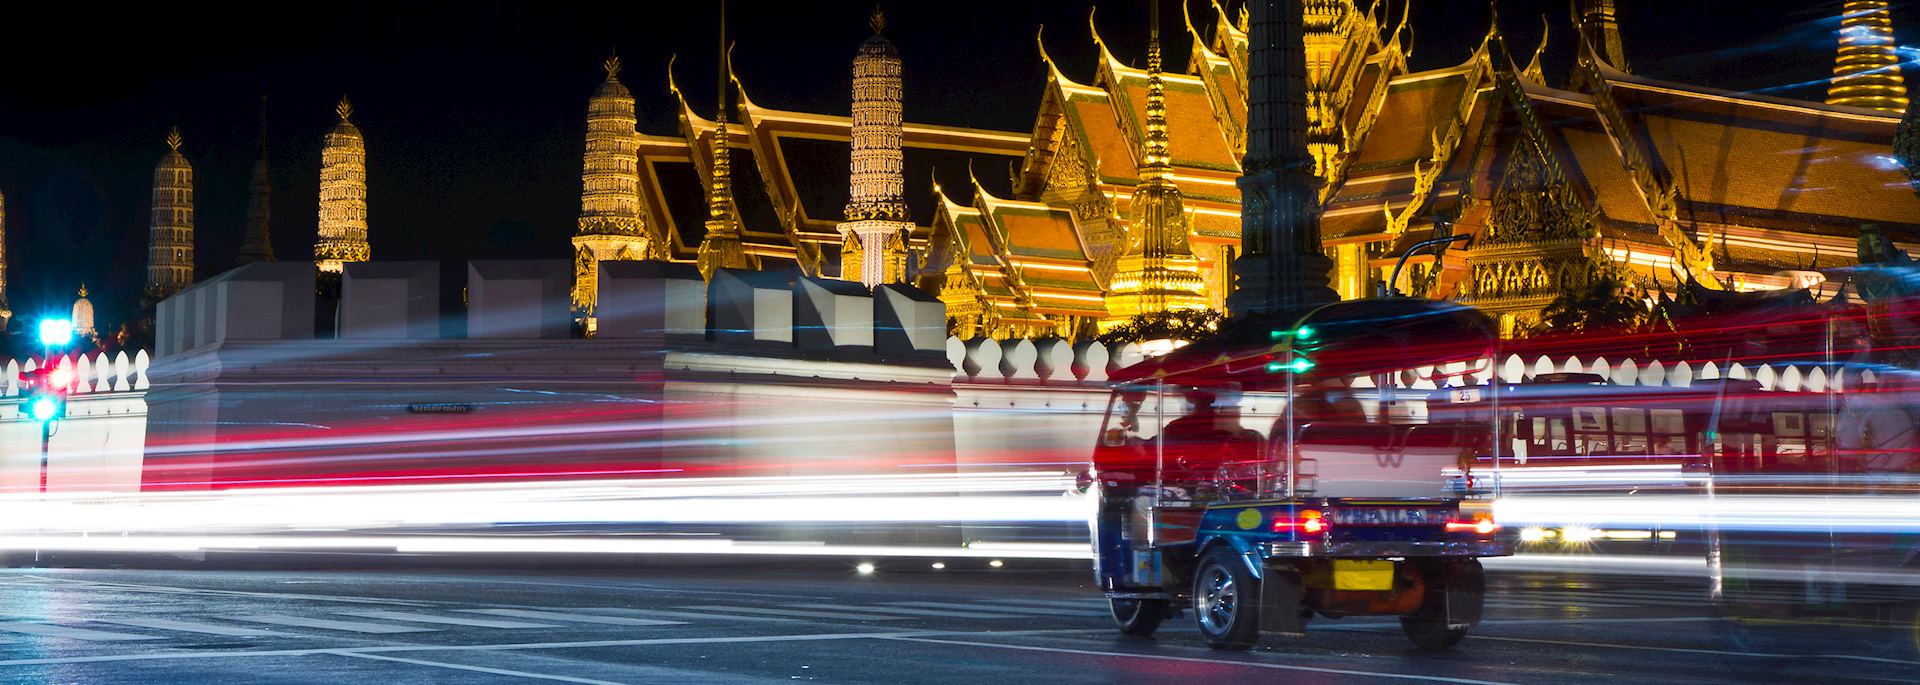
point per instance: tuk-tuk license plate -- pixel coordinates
(1362, 574)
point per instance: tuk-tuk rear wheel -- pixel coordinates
(1138, 617)
(1226, 601)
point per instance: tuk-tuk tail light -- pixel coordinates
(1309, 521)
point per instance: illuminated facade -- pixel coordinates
(170, 231)
(82, 315)
(610, 226)
(343, 196)
(1867, 71)
(876, 232)
(257, 246)
(1667, 180)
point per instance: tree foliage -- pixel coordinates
(1606, 301)
(1191, 325)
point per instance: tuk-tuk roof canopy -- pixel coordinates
(1339, 339)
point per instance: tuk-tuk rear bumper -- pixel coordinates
(1387, 548)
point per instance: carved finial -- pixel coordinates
(173, 139)
(83, 288)
(612, 65)
(877, 21)
(344, 109)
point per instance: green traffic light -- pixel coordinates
(1298, 365)
(44, 409)
(1304, 334)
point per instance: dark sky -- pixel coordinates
(473, 112)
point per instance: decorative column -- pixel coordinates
(343, 196)
(1282, 268)
(170, 230)
(1157, 272)
(875, 233)
(6, 312)
(1867, 71)
(611, 225)
(257, 246)
(721, 248)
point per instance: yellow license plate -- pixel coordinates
(1362, 574)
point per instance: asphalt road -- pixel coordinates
(826, 623)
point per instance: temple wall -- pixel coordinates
(752, 374)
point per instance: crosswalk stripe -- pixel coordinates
(330, 624)
(941, 613)
(799, 613)
(1017, 610)
(50, 630)
(186, 626)
(690, 615)
(1084, 605)
(448, 620)
(576, 618)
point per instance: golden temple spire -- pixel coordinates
(1157, 271)
(342, 234)
(170, 232)
(1866, 73)
(1599, 24)
(874, 236)
(611, 225)
(720, 247)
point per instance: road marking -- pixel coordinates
(449, 620)
(802, 614)
(691, 615)
(186, 626)
(50, 630)
(167, 589)
(1696, 650)
(577, 618)
(479, 669)
(330, 624)
(1215, 662)
(1017, 610)
(910, 612)
(1083, 604)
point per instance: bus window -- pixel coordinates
(1590, 431)
(1630, 431)
(1669, 428)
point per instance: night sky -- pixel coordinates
(474, 112)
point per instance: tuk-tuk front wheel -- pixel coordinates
(1226, 601)
(1138, 617)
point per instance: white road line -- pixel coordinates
(909, 612)
(1018, 610)
(691, 615)
(330, 624)
(1084, 604)
(168, 589)
(50, 630)
(186, 626)
(1691, 650)
(576, 618)
(478, 669)
(448, 620)
(1216, 662)
(796, 612)
(1547, 603)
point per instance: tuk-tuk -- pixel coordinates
(1293, 467)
